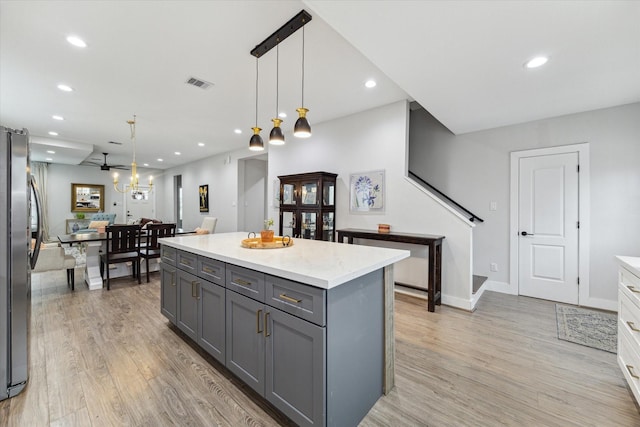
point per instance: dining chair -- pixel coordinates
(151, 248)
(123, 245)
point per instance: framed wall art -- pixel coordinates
(366, 192)
(203, 191)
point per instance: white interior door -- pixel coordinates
(548, 227)
(140, 206)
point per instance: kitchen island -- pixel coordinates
(309, 327)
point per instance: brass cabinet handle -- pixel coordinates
(197, 290)
(207, 269)
(194, 289)
(633, 289)
(173, 278)
(242, 282)
(266, 324)
(185, 262)
(630, 369)
(632, 326)
(258, 313)
(290, 299)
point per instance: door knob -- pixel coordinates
(524, 233)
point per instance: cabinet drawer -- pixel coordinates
(187, 261)
(245, 281)
(629, 362)
(629, 316)
(212, 270)
(304, 301)
(629, 285)
(168, 254)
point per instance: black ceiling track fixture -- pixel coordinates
(282, 33)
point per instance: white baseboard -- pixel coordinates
(504, 287)
(456, 302)
(476, 297)
(602, 304)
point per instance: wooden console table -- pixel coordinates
(434, 290)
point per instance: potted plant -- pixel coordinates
(266, 235)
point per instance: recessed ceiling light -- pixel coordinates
(57, 117)
(177, 153)
(49, 159)
(536, 62)
(65, 88)
(282, 115)
(52, 133)
(201, 144)
(238, 131)
(76, 41)
(145, 164)
(370, 83)
(160, 160)
(51, 152)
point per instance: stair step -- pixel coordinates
(477, 282)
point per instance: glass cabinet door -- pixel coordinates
(328, 193)
(288, 223)
(328, 227)
(309, 193)
(308, 225)
(288, 194)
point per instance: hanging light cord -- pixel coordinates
(132, 125)
(302, 67)
(256, 91)
(277, 74)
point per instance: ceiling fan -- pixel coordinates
(105, 166)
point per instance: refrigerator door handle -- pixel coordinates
(39, 230)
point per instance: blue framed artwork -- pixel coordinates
(366, 192)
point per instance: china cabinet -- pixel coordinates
(307, 205)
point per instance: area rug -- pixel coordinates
(592, 328)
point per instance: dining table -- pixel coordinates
(92, 244)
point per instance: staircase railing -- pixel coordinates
(472, 217)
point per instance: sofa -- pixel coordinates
(98, 220)
(53, 257)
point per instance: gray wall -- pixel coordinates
(473, 169)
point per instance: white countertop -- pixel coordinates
(314, 262)
(631, 263)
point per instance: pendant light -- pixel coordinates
(302, 128)
(276, 137)
(256, 143)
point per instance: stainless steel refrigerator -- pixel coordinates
(16, 258)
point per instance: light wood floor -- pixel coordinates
(110, 358)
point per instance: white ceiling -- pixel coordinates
(462, 60)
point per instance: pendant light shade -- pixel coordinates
(256, 143)
(276, 137)
(302, 128)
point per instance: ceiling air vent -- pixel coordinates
(198, 83)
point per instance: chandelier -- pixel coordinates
(133, 185)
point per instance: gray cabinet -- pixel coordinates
(245, 340)
(168, 292)
(312, 353)
(279, 355)
(211, 321)
(201, 311)
(295, 368)
(187, 314)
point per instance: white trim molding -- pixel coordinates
(584, 202)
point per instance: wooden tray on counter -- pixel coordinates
(278, 243)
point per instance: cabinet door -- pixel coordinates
(245, 340)
(309, 225)
(309, 194)
(295, 367)
(288, 194)
(211, 328)
(288, 223)
(187, 315)
(168, 292)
